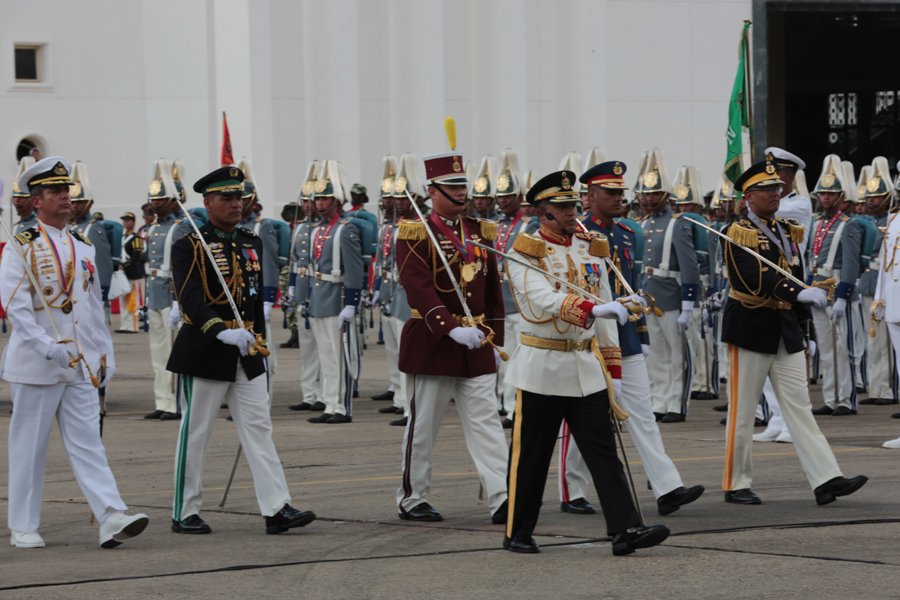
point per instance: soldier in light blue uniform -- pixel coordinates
(882, 376)
(334, 263)
(85, 224)
(835, 251)
(672, 277)
(868, 247)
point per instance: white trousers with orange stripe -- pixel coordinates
(574, 477)
(747, 374)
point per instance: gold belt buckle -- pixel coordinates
(153, 272)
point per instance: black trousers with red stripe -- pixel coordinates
(537, 421)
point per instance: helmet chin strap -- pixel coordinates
(447, 196)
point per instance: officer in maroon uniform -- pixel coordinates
(447, 354)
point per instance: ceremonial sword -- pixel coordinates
(453, 281)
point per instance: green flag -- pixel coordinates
(738, 110)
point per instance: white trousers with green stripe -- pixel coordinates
(248, 401)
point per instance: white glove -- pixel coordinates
(237, 337)
(811, 346)
(617, 385)
(497, 359)
(635, 299)
(59, 353)
(174, 316)
(267, 311)
(878, 311)
(611, 310)
(346, 315)
(470, 337)
(373, 299)
(813, 295)
(684, 319)
(290, 293)
(645, 350)
(837, 310)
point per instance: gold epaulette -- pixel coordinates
(26, 236)
(743, 233)
(412, 230)
(530, 246)
(796, 231)
(599, 246)
(488, 229)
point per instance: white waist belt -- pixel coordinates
(328, 277)
(663, 273)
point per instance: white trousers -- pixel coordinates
(310, 366)
(879, 355)
(776, 419)
(477, 406)
(506, 394)
(635, 398)
(395, 326)
(328, 346)
(160, 348)
(701, 359)
(828, 346)
(392, 354)
(130, 305)
(669, 366)
(745, 383)
(76, 407)
(248, 402)
(859, 344)
(894, 334)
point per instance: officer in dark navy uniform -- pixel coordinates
(220, 361)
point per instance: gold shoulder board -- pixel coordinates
(412, 230)
(599, 246)
(795, 230)
(744, 233)
(488, 230)
(26, 236)
(530, 245)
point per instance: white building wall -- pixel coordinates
(356, 79)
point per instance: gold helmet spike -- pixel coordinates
(388, 175)
(80, 188)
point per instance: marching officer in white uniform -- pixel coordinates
(886, 306)
(52, 325)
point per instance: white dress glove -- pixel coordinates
(813, 295)
(878, 311)
(645, 350)
(617, 385)
(684, 319)
(267, 311)
(611, 310)
(174, 316)
(346, 315)
(237, 337)
(837, 310)
(373, 299)
(59, 353)
(635, 299)
(290, 294)
(470, 337)
(811, 346)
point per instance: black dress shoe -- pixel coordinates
(895, 416)
(154, 415)
(339, 418)
(866, 401)
(388, 395)
(507, 423)
(320, 419)
(823, 410)
(672, 417)
(723, 380)
(723, 420)
(658, 416)
(503, 412)
(317, 407)
(669, 503)
(499, 516)
(293, 341)
(389, 410)
(721, 408)
(191, 524)
(400, 422)
(884, 401)
(704, 396)
(638, 537)
(169, 416)
(301, 406)
(522, 545)
(288, 518)
(839, 486)
(355, 393)
(421, 512)
(861, 389)
(578, 506)
(757, 422)
(742, 496)
(843, 411)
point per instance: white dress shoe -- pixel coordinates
(894, 443)
(784, 437)
(769, 435)
(119, 527)
(26, 539)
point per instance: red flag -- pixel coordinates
(227, 156)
